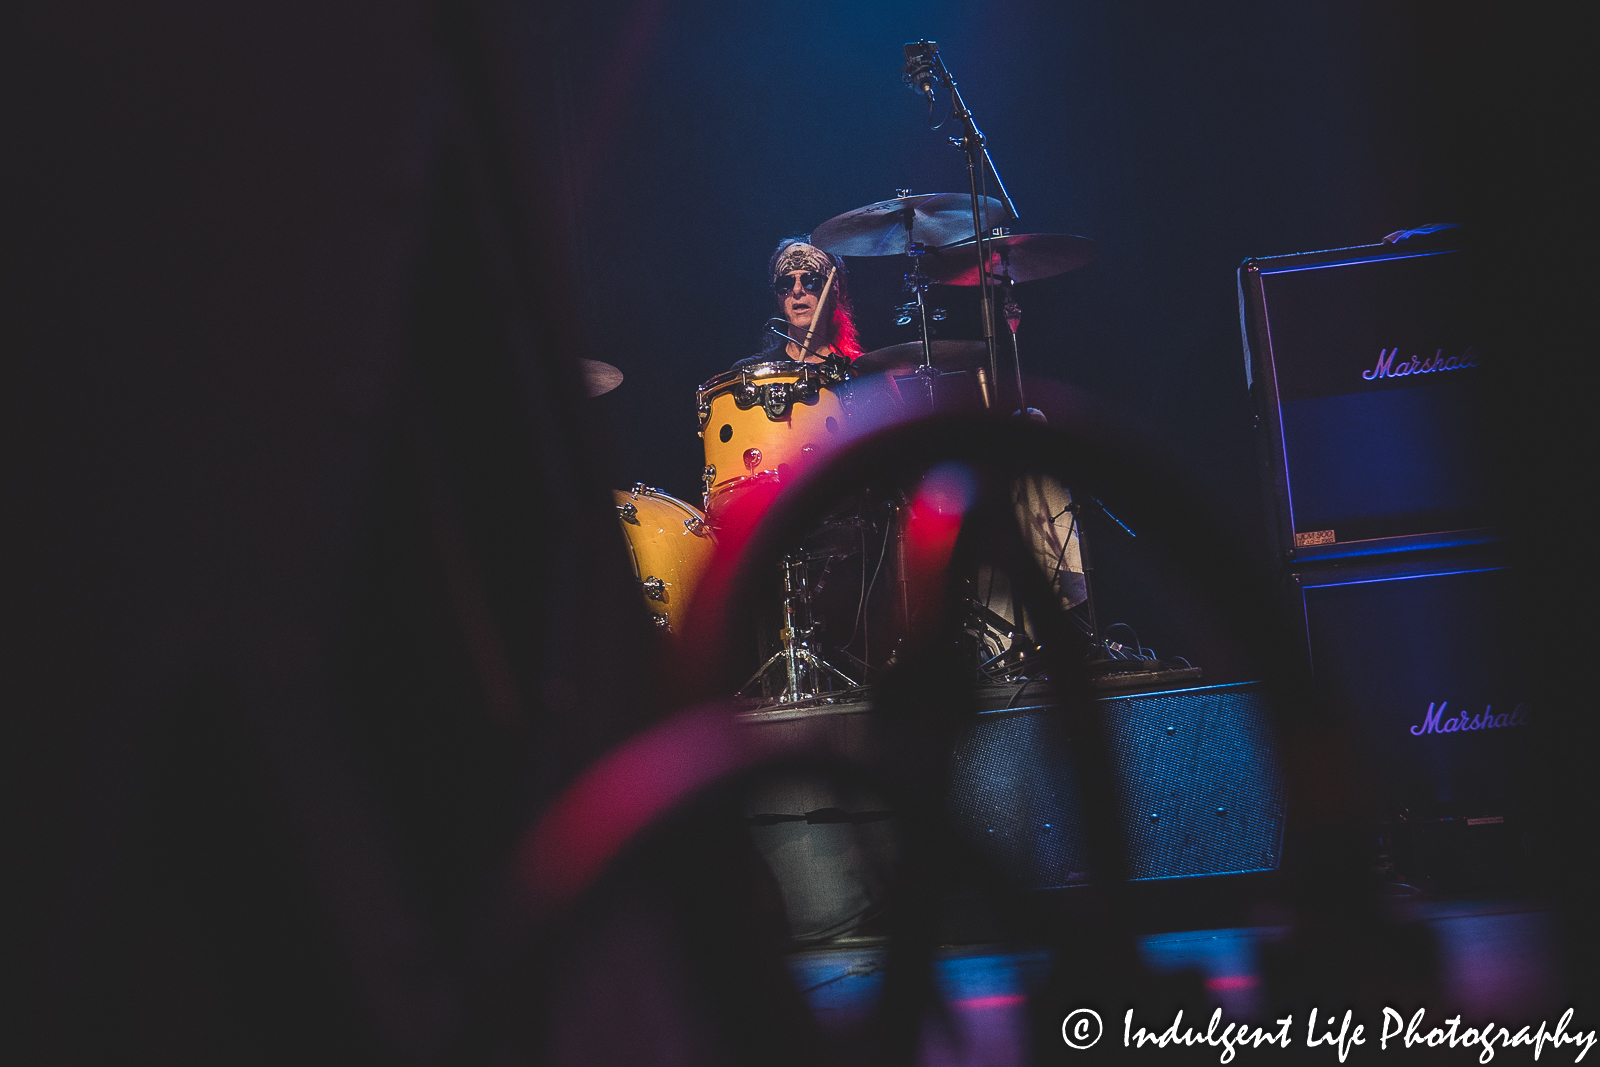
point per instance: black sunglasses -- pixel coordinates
(810, 281)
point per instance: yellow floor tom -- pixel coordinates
(671, 547)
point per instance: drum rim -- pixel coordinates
(771, 372)
(641, 490)
(735, 482)
(777, 368)
(771, 369)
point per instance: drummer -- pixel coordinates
(799, 272)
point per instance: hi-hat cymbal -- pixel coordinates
(598, 377)
(947, 356)
(880, 229)
(1023, 257)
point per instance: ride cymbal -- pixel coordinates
(881, 229)
(1023, 257)
(947, 356)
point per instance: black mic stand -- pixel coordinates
(972, 143)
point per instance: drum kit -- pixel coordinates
(764, 422)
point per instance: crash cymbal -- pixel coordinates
(1024, 257)
(880, 229)
(598, 377)
(947, 356)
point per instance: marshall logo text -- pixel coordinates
(1387, 367)
(1434, 721)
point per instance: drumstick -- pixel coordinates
(822, 302)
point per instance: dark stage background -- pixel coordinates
(307, 546)
(1180, 137)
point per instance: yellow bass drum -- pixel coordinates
(671, 547)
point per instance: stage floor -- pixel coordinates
(1499, 960)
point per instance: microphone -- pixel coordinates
(784, 333)
(920, 74)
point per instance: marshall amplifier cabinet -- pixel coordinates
(1369, 396)
(1420, 660)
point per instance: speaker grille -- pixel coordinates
(1392, 644)
(1366, 355)
(1202, 792)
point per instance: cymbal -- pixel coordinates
(880, 229)
(1024, 257)
(947, 356)
(598, 377)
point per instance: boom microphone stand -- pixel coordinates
(924, 67)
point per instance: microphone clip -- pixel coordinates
(922, 68)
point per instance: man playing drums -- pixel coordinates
(809, 285)
(778, 410)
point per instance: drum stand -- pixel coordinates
(802, 668)
(926, 373)
(917, 281)
(1013, 317)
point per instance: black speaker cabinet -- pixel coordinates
(1420, 657)
(1369, 396)
(1202, 787)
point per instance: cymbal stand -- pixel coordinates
(802, 668)
(1013, 314)
(917, 281)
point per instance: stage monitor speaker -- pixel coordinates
(1420, 659)
(1370, 398)
(1202, 787)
